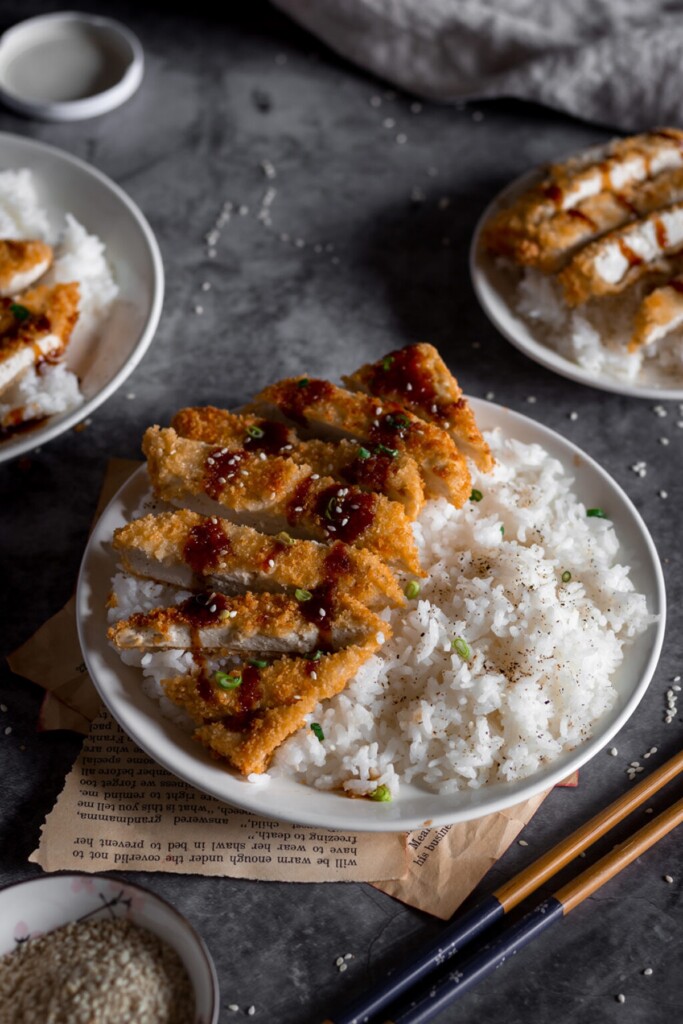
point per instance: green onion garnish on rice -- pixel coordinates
(461, 646)
(257, 663)
(317, 731)
(255, 431)
(476, 495)
(412, 589)
(382, 794)
(363, 453)
(566, 576)
(19, 312)
(302, 595)
(596, 513)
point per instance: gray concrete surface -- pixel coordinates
(375, 271)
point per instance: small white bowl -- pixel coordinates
(68, 66)
(42, 904)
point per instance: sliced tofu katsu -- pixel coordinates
(585, 197)
(36, 329)
(617, 259)
(22, 263)
(247, 738)
(207, 553)
(257, 623)
(395, 475)
(320, 407)
(659, 313)
(418, 379)
(275, 494)
(208, 696)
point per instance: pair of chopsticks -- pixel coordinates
(427, 1001)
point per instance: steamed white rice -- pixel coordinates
(79, 256)
(541, 651)
(597, 336)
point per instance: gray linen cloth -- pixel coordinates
(615, 62)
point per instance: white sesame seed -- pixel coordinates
(663, 494)
(343, 967)
(489, 396)
(401, 139)
(614, 751)
(677, 679)
(388, 122)
(206, 286)
(348, 956)
(523, 842)
(647, 972)
(659, 410)
(667, 878)
(146, 659)
(199, 310)
(531, 399)
(8, 730)
(130, 396)
(635, 764)
(573, 416)
(676, 687)
(621, 998)
(234, 1007)
(233, 614)
(339, 961)
(251, 1011)
(664, 441)
(649, 810)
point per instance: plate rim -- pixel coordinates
(524, 341)
(60, 423)
(394, 822)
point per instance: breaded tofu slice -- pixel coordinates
(659, 313)
(418, 379)
(257, 623)
(22, 263)
(247, 739)
(208, 696)
(395, 475)
(275, 494)
(584, 196)
(208, 553)
(37, 328)
(616, 260)
(322, 408)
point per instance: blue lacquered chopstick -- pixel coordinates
(457, 934)
(432, 999)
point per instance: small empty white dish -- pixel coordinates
(68, 66)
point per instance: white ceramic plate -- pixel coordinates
(68, 185)
(288, 800)
(490, 287)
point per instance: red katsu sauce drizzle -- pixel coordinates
(347, 515)
(627, 252)
(370, 473)
(391, 429)
(205, 688)
(297, 506)
(404, 373)
(677, 285)
(249, 692)
(203, 610)
(297, 396)
(272, 438)
(206, 546)
(221, 468)
(555, 194)
(580, 215)
(661, 234)
(320, 607)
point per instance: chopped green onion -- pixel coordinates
(363, 453)
(302, 595)
(284, 538)
(382, 449)
(317, 656)
(329, 511)
(382, 795)
(255, 431)
(462, 647)
(20, 312)
(317, 731)
(596, 513)
(502, 531)
(566, 576)
(257, 663)
(303, 382)
(387, 362)
(476, 495)
(228, 682)
(412, 589)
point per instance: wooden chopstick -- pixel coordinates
(446, 989)
(491, 908)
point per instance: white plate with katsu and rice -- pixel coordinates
(370, 607)
(580, 265)
(81, 289)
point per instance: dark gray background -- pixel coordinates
(219, 97)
